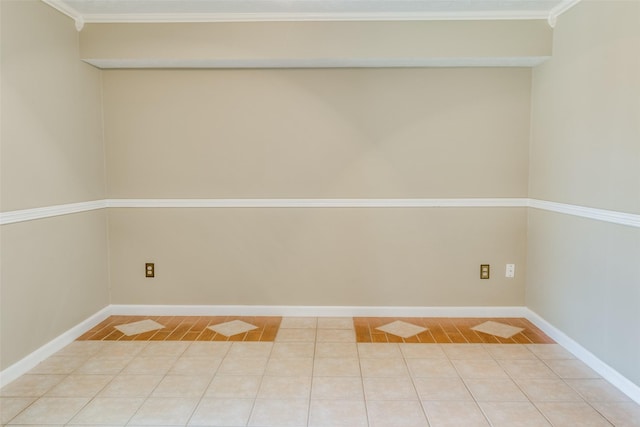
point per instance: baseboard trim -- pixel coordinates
(30, 361)
(607, 372)
(317, 311)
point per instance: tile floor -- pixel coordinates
(313, 374)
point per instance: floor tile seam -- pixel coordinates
(253, 405)
(584, 398)
(413, 384)
(364, 396)
(486, 415)
(146, 399)
(204, 391)
(549, 419)
(21, 411)
(603, 415)
(313, 364)
(547, 363)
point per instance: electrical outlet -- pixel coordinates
(484, 271)
(149, 269)
(510, 271)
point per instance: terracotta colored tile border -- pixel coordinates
(439, 330)
(444, 330)
(185, 328)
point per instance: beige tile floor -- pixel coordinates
(314, 374)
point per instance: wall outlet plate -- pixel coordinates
(484, 271)
(149, 269)
(510, 270)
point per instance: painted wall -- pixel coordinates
(54, 271)
(584, 275)
(331, 133)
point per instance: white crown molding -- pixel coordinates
(63, 7)
(615, 217)
(50, 211)
(607, 372)
(559, 10)
(311, 16)
(521, 61)
(301, 15)
(316, 203)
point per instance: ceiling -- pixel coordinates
(114, 11)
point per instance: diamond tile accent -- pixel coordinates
(139, 327)
(498, 329)
(402, 329)
(233, 327)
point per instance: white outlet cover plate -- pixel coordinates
(511, 270)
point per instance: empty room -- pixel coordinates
(320, 213)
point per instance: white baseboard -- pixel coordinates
(607, 372)
(317, 311)
(30, 361)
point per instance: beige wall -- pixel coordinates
(318, 257)
(584, 275)
(317, 134)
(54, 271)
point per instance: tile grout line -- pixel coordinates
(413, 383)
(204, 392)
(364, 392)
(313, 367)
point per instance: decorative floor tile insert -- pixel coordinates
(232, 328)
(402, 329)
(185, 328)
(139, 327)
(436, 330)
(498, 329)
(442, 330)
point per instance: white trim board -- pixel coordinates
(315, 311)
(615, 217)
(30, 361)
(607, 372)
(317, 203)
(510, 61)
(273, 11)
(22, 215)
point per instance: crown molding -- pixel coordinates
(311, 16)
(72, 13)
(301, 16)
(559, 10)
